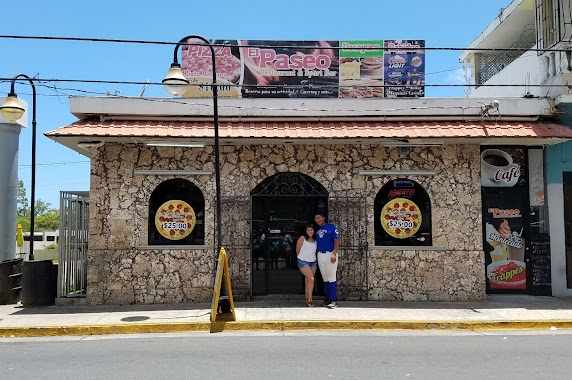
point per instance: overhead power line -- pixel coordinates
(274, 46)
(286, 86)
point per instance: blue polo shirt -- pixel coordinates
(325, 237)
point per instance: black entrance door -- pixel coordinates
(279, 216)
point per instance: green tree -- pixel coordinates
(48, 221)
(23, 207)
(46, 217)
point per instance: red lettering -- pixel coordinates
(401, 193)
(504, 213)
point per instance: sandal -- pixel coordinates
(309, 303)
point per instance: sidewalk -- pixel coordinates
(497, 312)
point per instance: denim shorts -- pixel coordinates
(311, 264)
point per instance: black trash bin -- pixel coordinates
(39, 280)
(10, 281)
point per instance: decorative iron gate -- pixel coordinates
(73, 244)
(236, 215)
(349, 214)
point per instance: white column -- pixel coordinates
(9, 140)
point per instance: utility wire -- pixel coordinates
(98, 81)
(275, 46)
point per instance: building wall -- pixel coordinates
(122, 269)
(558, 160)
(525, 70)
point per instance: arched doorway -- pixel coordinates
(282, 205)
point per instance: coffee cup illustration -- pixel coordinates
(498, 169)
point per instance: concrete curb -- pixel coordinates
(177, 327)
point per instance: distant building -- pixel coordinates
(542, 69)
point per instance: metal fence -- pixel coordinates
(488, 65)
(349, 214)
(74, 232)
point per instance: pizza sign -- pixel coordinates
(401, 218)
(175, 219)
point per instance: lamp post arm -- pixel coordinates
(216, 130)
(33, 180)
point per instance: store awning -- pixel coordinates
(321, 131)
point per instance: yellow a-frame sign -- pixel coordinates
(222, 271)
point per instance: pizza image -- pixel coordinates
(401, 218)
(175, 219)
(227, 67)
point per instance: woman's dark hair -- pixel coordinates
(306, 234)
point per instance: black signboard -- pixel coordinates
(540, 263)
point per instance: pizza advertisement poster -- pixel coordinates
(196, 63)
(303, 69)
(505, 238)
(175, 219)
(401, 218)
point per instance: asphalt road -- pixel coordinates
(337, 355)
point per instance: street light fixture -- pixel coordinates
(12, 110)
(176, 84)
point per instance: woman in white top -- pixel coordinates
(306, 247)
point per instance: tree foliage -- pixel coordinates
(46, 217)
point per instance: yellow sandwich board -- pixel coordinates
(222, 271)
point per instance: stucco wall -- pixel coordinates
(122, 269)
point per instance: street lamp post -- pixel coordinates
(12, 110)
(176, 84)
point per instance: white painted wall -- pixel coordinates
(526, 69)
(557, 243)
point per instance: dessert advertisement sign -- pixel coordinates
(504, 193)
(306, 69)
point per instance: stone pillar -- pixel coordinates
(9, 137)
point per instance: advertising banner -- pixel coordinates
(175, 219)
(502, 167)
(306, 69)
(403, 215)
(505, 199)
(361, 69)
(405, 69)
(503, 217)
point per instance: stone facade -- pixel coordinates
(123, 269)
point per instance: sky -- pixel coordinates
(441, 23)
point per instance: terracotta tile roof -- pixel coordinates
(311, 129)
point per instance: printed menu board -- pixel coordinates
(306, 69)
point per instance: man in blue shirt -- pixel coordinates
(328, 239)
